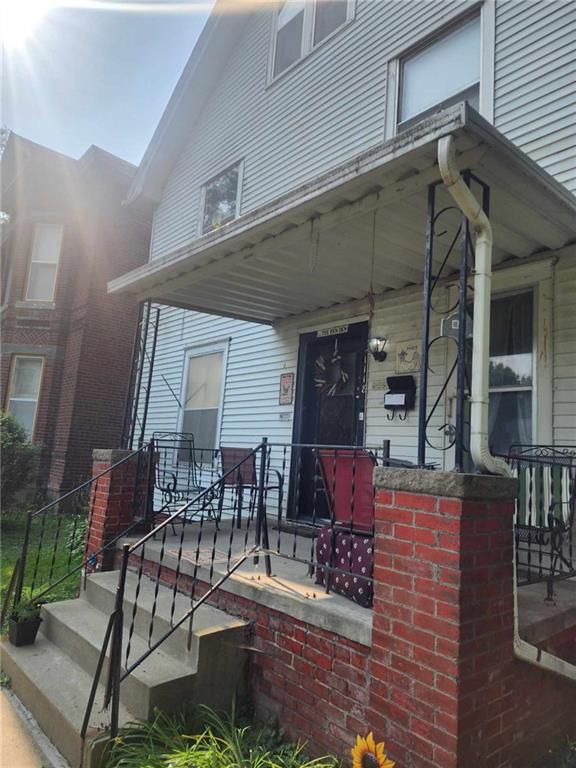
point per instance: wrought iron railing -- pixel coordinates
(275, 501)
(544, 515)
(55, 542)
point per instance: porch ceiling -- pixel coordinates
(313, 247)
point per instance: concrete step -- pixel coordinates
(208, 621)
(53, 677)
(56, 691)
(217, 653)
(161, 681)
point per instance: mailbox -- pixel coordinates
(401, 394)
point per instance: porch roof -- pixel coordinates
(313, 248)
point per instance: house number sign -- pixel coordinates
(286, 389)
(336, 330)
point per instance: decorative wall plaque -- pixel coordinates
(408, 356)
(286, 389)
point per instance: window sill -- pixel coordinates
(34, 305)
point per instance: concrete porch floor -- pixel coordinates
(291, 590)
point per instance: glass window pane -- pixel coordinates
(204, 382)
(41, 282)
(289, 10)
(47, 242)
(24, 411)
(510, 417)
(288, 43)
(202, 424)
(444, 68)
(26, 377)
(330, 14)
(511, 341)
(220, 200)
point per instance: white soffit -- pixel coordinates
(313, 247)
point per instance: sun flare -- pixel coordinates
(19, 19)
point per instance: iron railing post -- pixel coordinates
(424, 350)
(261, 522)
(23, 558)
(113, 688)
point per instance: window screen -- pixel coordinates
(203, 398)
(25, 390)
(289, 29)
(44, 262)
(446, 69)
(329, 15)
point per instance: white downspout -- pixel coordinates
(472, 209)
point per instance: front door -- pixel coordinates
(330, 400)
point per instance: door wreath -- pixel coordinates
(330, 376)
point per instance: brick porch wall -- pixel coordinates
(446, 688)
(440, 682)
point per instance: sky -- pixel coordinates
(98, 77)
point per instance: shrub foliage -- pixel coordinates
(19, 459)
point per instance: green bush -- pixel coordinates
(19, 459)
(164, 743)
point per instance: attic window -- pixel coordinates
(221, 199)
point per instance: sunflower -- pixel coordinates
(367, 754)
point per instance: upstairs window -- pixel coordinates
(221, 199)
(289, 33)
(301, 25)
(328, 16)
(24, 390)
(44, 260)
(442, 73)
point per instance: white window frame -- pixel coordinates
(190, 353)
(537, 277)
(487, 12)
(308, 45)
(240, 165)
(10, 397)
(33, 261)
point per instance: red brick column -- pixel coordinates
(446, 689)
(117, 500)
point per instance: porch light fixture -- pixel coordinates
(376, 348)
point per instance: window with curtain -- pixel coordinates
(25, 381)
(444, 72)
(202, 398)
(511, 378)
(44, 260)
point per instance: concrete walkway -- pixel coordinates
(22, 744)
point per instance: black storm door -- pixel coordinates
(330, 400)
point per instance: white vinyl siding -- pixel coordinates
(332, 105)
(44, 259)
(323, 112)
(564, 344)
(535, 82)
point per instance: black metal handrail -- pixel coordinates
(63, 532)
(254, 499)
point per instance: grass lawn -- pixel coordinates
(51, 553)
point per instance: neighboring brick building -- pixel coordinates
(66, 344)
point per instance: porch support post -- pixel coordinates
(446, 689)
(424, 346)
